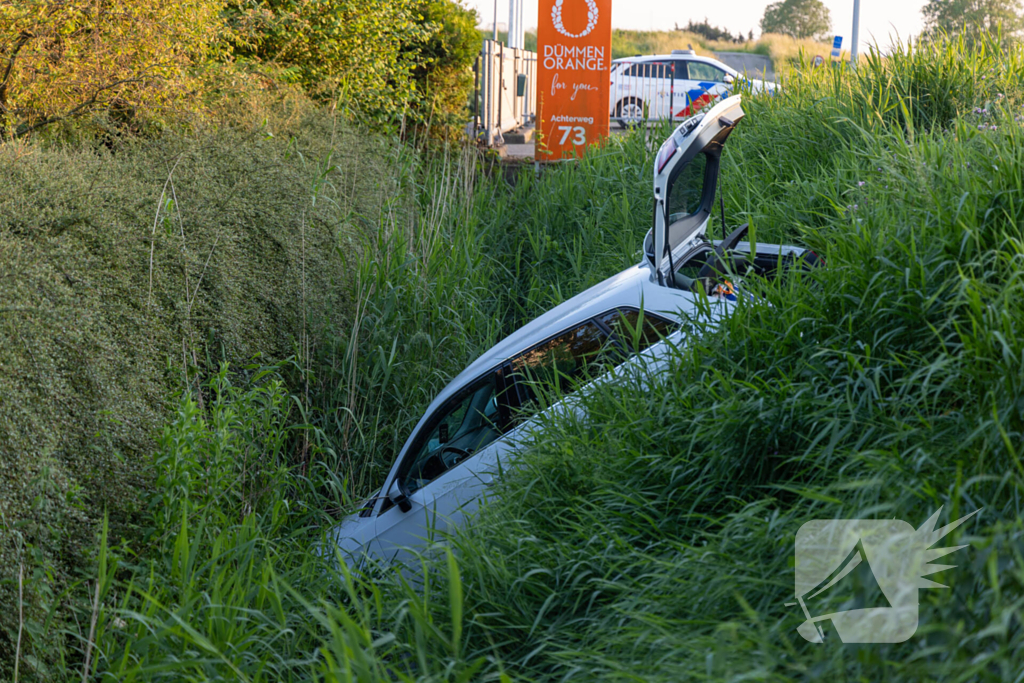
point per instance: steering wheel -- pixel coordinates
(711, 267)
(460, 453)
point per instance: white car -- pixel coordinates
(470, 430)
(674, 86)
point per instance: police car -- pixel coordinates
(622, 329)
(674, 86)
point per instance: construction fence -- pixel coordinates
(505, 91)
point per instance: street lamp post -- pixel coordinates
(856, 33)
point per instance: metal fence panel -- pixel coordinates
(500, 107)
(643, 91)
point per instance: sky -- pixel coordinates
(878, 18)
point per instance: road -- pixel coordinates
(756, 66)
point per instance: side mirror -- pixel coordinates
(728, 80)
(402, 498)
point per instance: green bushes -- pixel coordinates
(129, 275)
(71, 59)
(235, 586)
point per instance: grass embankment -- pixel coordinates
(655, 541)
(781, 49)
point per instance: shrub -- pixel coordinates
(128, 275)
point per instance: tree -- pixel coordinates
(973, 19)
(706, 30)
(797, 18)
(63, 59)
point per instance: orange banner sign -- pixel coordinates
(574, 54)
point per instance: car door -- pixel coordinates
(478, 427)
(442, 467)
(702, 84)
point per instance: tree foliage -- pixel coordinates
(706, 30)
(442, 62)
(62, 58)
(348, 50)
(797, 18)
(973, 19)
(384, 59)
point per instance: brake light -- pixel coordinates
(665, 154)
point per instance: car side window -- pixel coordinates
(468, 422)
(699, 71)
(560, 362)
(681, 71)
(637, 330)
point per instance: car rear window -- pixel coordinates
(687, 191)
(637, 330)
(562, 361)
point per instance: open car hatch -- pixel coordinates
(685, 181)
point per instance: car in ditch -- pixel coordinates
(472, 429)
(674, 86)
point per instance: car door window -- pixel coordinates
(699, 71)
(681, 72)
(637, 330)
(468, 422)
(560, 362)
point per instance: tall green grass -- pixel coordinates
(654, 541)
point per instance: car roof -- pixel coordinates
(633, 287)
(623, 289)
